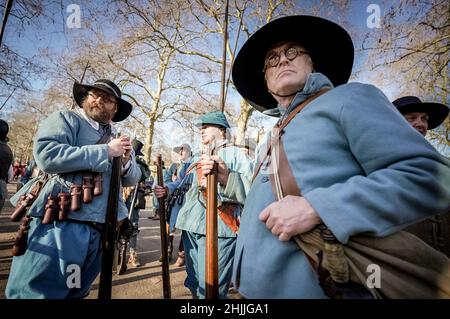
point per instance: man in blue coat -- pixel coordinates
(358, 164)
(233, 184)
(176, 200)
(63, 256)
(175, 175)
(133, 213)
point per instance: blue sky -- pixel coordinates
(57, 36)
(54, 34)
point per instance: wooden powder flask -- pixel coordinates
(64, 202)
(87, 188)
(50, 210)
(21, 240)
(98, 188)
(25, 201)
(21, 207)
(75, 193)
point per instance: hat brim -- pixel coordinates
(437, 112)
(177, 149)
(124, 108)
(330, 47)
(200, 124)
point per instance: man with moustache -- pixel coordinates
(70, 147)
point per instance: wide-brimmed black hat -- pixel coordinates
(329, 45)
(437, 112)
(137, 147)
(123, 109)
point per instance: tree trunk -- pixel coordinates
(242, 121)
(148, 145)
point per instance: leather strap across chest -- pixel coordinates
(279, 127)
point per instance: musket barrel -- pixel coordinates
(109, 235)
(211, 257)
(163, 232)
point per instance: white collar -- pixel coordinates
(95, 124)
(221, 143)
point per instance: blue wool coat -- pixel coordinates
(66, 143)
(183, 182)
(192, 215)
(361, 166)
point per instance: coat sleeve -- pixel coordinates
(239, 178)
(172, 186)
(406, 180)
(132, 175)
(54, 152)
(167, 176)
(181, 180)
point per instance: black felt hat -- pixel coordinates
(137, 147)
(124, 108)
(437, 112)
(329, 45)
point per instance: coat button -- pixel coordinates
(265, 179)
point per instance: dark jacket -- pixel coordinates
(6, 158)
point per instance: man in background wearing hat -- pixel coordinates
(355, 164)
(424, 116)
(234, 182)
(6, 158)
(175, 180)
(138, 203)
(63, 256)
(183, 157)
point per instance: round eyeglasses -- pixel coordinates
(105, 97)
(274, 58)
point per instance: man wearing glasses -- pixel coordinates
(63, 256)
(354, 164)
